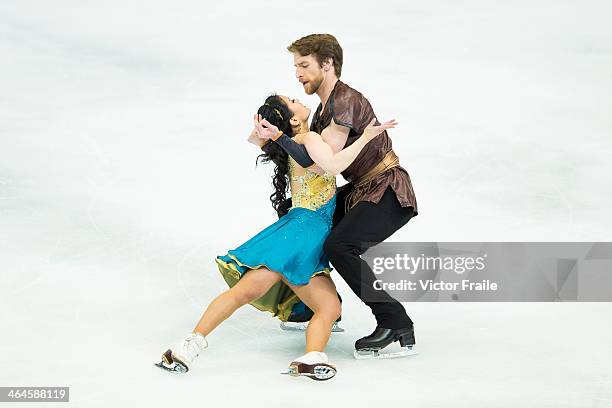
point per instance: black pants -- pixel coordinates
(362, 227)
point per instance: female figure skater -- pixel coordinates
(285, 262)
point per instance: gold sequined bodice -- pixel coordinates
(309, 189)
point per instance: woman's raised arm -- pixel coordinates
(335, 163)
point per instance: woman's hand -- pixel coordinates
(372, 131)
(265, 130)
(254, 136)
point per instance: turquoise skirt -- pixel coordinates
(293, 247)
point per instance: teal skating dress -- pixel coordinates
(292, 246)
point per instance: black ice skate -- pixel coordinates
(370, 346)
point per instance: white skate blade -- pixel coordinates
(370, 354)
(336, 328)
(291, 326)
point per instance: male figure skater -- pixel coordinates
(377, 201)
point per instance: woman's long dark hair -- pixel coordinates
(277, 113)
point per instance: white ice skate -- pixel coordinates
(302, 326)
(180, 357)
(314, 364)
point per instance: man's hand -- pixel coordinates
(372, 131)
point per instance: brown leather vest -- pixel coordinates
(348, 107)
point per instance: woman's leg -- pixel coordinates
(253, 285)
(319, 295)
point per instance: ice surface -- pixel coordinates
(124, 170)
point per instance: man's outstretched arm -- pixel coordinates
(336, 162)
(322, 152)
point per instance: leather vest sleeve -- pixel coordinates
(351, 109)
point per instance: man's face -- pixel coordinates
(308, 72)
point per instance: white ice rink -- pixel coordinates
(124, 171)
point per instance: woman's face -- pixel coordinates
(300, 112)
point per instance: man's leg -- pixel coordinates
(363, 226)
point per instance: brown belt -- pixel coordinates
(388, 162)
